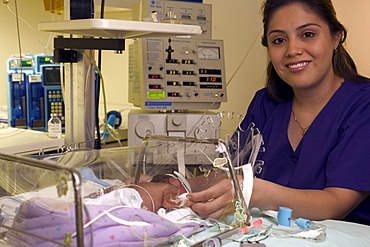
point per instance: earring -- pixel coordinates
(335, 50)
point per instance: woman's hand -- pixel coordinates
(214, 201)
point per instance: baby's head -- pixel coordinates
(170, 179)
(156, 195)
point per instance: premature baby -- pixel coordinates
(116, 218)
(163, 191)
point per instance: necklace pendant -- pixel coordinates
(304, 130)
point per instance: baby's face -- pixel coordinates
(170, 180)
(171, 195)
(165, 195)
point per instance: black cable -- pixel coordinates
(97, 94)
(102, 9)
(97, 88)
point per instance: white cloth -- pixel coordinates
(180, 216)
(121, 197)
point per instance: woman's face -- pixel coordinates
(301, 47)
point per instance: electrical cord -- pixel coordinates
(19, 38)
(97, 89)
(231, 78)
(46, 46)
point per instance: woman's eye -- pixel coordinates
(278, 41)
(308, 34)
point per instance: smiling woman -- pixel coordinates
(314, 115)
(301, 51)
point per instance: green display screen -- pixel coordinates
(43, 60)
(26, 63)
(156, 95)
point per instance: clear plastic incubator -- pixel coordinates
(128, 196)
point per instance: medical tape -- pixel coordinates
(182, 198)
(257, 142)
(183, 181)
(247, 183)
(180, 158)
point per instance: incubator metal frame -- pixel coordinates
(76, 180)
(162, 150)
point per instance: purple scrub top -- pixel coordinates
(334, 152)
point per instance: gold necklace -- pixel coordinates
(303, 130)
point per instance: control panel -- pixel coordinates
(53, 94)
(177, 74)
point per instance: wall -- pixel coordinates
(237, 22)
(239, 25)
(354, 15)
(32, 12)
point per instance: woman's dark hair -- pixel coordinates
(343, 64)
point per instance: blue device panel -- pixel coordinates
(26, 96)
(35, 103)
(53, 94)
(42, 59)
(17, 100)
(16, 63)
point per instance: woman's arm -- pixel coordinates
(202, 182)
(330, 203)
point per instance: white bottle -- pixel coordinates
(54, 126)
